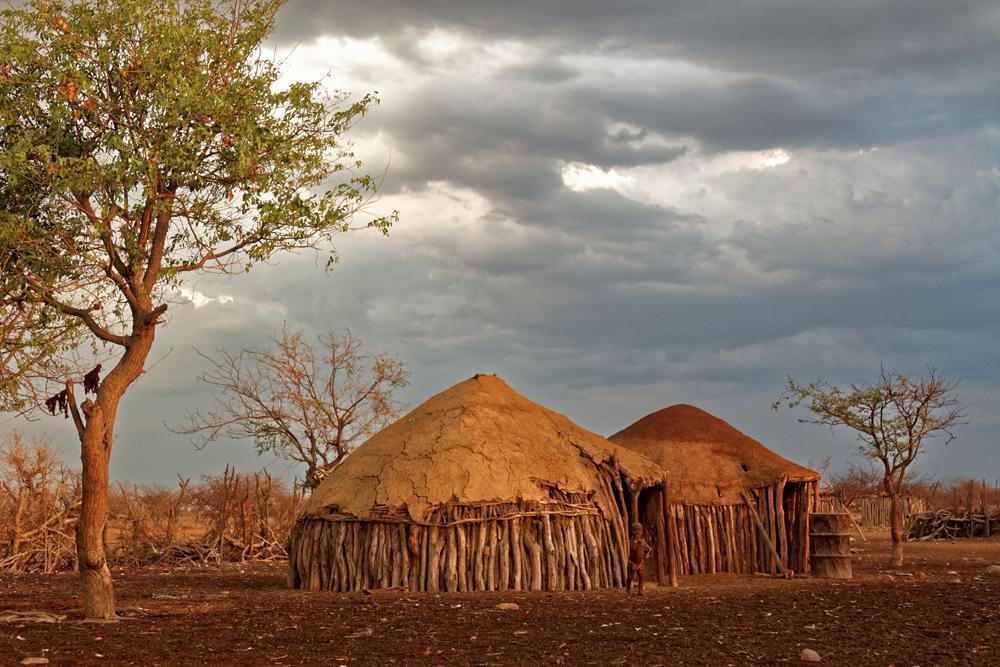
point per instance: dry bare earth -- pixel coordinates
(941, 608)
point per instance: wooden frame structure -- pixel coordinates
(565, 544)
(478, 489)
(737, 507)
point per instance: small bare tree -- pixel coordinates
(303, 403)
(893, 416)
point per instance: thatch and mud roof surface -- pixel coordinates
(477, 442)
(480, 441)
(709, 460)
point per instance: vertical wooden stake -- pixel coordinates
(671, 535)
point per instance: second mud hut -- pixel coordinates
(736, 506)
(477, 489)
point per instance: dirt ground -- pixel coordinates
(942, 608)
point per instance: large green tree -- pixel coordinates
(141, 143)
(893, 416)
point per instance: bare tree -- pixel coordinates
(893, 416)
(307, 404)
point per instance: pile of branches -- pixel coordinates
(231, 517)
(39, 506)
(942, 524)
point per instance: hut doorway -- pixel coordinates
(648, 509)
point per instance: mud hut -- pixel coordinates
(476, 489)
(735, 506)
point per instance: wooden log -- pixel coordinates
(683, 540)
(516, 552)
(699, 539)
(739, 551)
(535, 555)
(719, 528)
(713, 547)
(566, 572)
(504, 547)
(385, 555)
(675, 560)
(526, 565)
(779, 505)
(422, 573)
(606, 544)
(551, 561)
(594, 560)
(575, 559)
(433, 559)
(291, 576)
(669, 534)
(326, 555)
(480, 556)
(451, 560)
(375, 555)
(366, 549)
(760, 526)
(803, 532)
(462, 564)
(620, 532)
(689, 546)
(583, 565)
(656, 506)
(412, 557)
(767, 496)
(354, 562)
(315, 581)
(491, 556)
(296, 554)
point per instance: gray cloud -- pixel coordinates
(704, 273)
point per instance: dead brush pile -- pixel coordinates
(39, 503)
(233, 517)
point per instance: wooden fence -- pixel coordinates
(876, 511)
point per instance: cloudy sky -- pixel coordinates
(621, 206)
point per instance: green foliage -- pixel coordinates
(892, 415)
(140, 143)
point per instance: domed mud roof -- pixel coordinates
(709, 460)
(479, 441)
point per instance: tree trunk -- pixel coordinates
(98, 591)
(95, 455)
(895, 525)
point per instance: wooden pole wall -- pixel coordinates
(577, 548)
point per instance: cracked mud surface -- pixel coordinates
(477, 442)
(940, 608)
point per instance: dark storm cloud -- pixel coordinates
(504, 138)
(802, 70)
(697, 279)
(780, 35)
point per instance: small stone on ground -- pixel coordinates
(507, 606)
(809, 655)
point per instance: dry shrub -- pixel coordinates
(960, 495)
(249, 516)
(228, 517)
(39, 505)
(144, 522)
